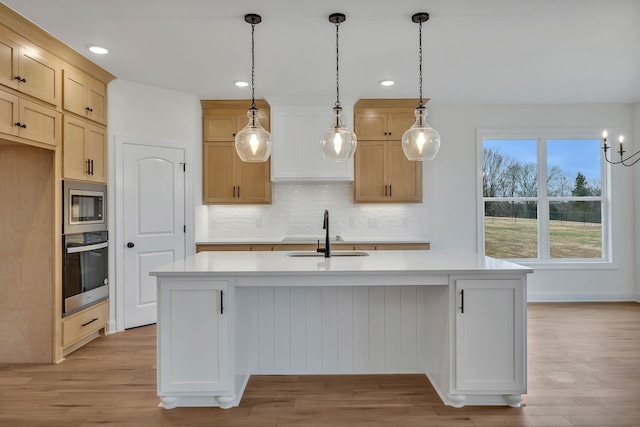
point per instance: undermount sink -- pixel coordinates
(319, 254)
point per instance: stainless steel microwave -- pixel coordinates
(84, 207)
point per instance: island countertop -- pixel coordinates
(398, 263)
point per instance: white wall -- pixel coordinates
(151, 115)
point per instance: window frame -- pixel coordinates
(541, 136)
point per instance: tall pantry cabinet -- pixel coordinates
(37, 102)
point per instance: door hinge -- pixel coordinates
(184, 167)
(184, 228)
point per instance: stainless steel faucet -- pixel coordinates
(327, 241)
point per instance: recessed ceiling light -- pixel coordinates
(99, 50)
(240, 83)
(387, 82)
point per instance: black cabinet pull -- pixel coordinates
(89, 109)
(130, 245)
(385, 190)
(462, 301)
(20, 79)
(221, 302)
(89, 322)
(92, 167)
(238, 191)
(390, 191)
(88, 167)
(234, 191)
(21, 125)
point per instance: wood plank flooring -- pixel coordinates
(584, 370)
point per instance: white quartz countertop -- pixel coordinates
(397, 263)
(311, 239)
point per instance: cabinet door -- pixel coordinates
(193, 337)
(8, 62)
(404, 176)
(96, 152)
(84, 95)
(41, 71)
(253, 183)
(42, 124)
(8, 113)
(490, 335)
(74, 157)
(220, 127)
(398, 124)
(371, 126)
(218, 172)
(369, 184)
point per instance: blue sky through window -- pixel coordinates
(570, 155)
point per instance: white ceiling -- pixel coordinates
(475, 51)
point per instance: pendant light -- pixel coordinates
(421, 141)
(253, 143)
(338, 143)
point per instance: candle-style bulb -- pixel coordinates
(605, 134)
(621, 139)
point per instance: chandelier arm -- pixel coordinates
(629, 158)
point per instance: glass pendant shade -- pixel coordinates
(421, 141)
(253, 143)
(338, 143)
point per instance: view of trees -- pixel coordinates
(506, 177)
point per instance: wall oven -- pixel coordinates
(84, 270)
(84, 207)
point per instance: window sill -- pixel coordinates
(573, 264)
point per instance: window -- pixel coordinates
(543, 197)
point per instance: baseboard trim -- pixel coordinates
(582, 297)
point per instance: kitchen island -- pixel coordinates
(458, 318)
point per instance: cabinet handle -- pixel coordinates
(390, 191)
(385, 190)
(89, 322)
(234, 191)
(89, 109)
(21, 125)
(233, 134)
(91, 166)
(20, 79)
(88, 167)
(238, 191)
(221, 302)
(462, 301)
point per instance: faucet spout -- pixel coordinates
(327, 241)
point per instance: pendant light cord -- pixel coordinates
(253, 72)
(420, 103)
(337, 68)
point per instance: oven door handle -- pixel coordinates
(86, 248)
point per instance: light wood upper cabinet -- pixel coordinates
(372, 126)
(22, 118)
(84, 95)
(29, 69)
(226, 178)
(224, 127)
(84, 151)
(384, 175)
(229, 180)
(382, 172)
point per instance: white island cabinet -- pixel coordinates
(458, 318)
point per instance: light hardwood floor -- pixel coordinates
(584, 370)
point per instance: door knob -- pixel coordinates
(130, 244)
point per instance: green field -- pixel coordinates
(518, 238)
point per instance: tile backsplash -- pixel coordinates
(297, 211)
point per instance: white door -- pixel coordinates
(154, 222)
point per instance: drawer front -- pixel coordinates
(84, 323)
